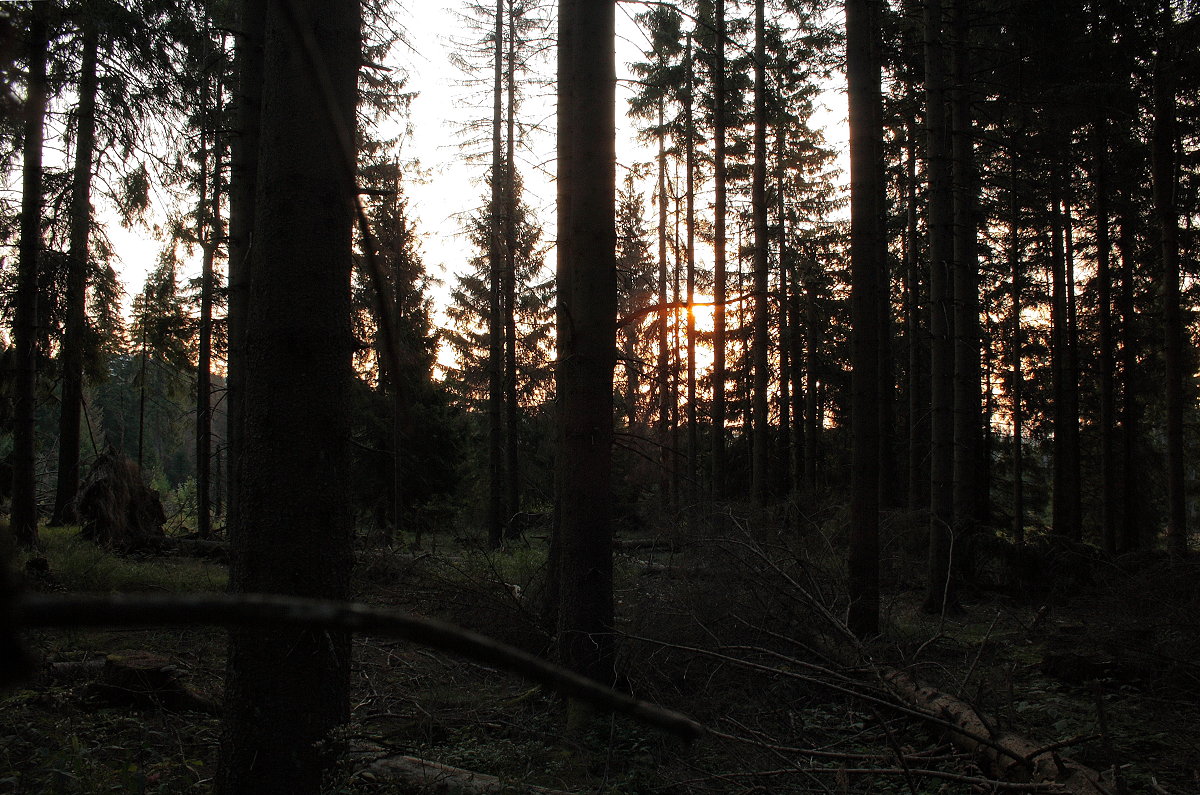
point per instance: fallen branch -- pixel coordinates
(259, 610)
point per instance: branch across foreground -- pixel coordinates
(260, 610)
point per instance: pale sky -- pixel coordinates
(446, 186)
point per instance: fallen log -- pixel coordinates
(422, 775)
(137, 678)
(1007, 756)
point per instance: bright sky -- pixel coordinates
(447, 185)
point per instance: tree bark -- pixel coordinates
(866, 199)
(719, 276)
(207, 231)
(1108, 409)
(23, 517)
(76, 298)
(1174, 328)
(665, 395)
(918, 347)
(586, 339)
(1132, 482)
(243, 180)
(1066, 510)
(759, 426)
(512, 407)
(1016, 347)
(970, 467)
(495, 325)
(286, 688)
(693, 432)
(941, 591)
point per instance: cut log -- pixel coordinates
(425, 776)
(1008, 756)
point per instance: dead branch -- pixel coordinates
(263, 610)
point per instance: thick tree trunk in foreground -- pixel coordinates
(23, 517)
(76, 299)
(866, 199)
(587, 310)
(287, 688)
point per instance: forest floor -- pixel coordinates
(737, 627)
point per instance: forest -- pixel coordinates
(768, 453)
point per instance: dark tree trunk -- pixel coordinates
(693, 432)
(760, 430)
(918, 347)
(1108, 406)
(286, 689)
(512, 407)
(665, 395)
(76, 299)
(23, 518)
(586, 339)
(812, 396)
(243, 180)
(1132, 482)
(970, 468)
(207, 232)
(1016, 348)
(718, 371)
(786, 449)
(941, 593)
(1167, 212)
(1066, 511)
(866, 199)
(495, 325)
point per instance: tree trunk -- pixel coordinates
(866, 199)
(760, 429)
(693, 432)
(1017, 346)
(495, 326)
(1132, 482)
(665, 395)
(970, 468)
(76, 298)
(786, 450)
(1066, 509)
(287, 688)
(918, 348)
(207, 232)
(1167, 212)
(23, 518)
(586, 338)
(941, 592)
(512, 407)
(1108, 406)
(243, 180)
(718, 371)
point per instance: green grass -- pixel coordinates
(80, 565)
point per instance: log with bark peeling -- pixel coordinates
(1009, 756)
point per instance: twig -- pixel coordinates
(263, 611)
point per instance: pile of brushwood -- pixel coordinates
(1089, 687)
